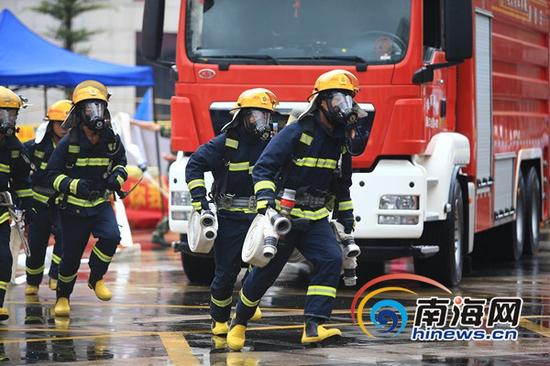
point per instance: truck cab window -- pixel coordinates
(286, 31)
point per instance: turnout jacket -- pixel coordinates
(306, 157)
(39, 154)
(76, 158)
(230, 157)
(14, 174)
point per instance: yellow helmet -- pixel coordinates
(257, 98)
(95, 84)
(86, 90)
(336, 79)
(9, 99)
(252, 98)
(59, 110)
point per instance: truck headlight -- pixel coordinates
(398, 202)
(397, 220)
(181, 198)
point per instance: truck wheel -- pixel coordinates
(199, 270)
(533, 213)
(511, 236)
(446, 266)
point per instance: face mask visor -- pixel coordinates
(95, 114)
(258, 122)
(8, 118)
(340, 107)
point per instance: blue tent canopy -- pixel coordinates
(144, 111)
(28, 59)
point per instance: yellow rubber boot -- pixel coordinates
(219, 328)
(257, 315)
(52, 284)
(236, 337)
(31, 290)
(101, 290)
(62, 307)
(314, 332)
(4, 315)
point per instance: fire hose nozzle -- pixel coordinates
(281, 224)
(270, 246)
(207, 218)
(351, 250)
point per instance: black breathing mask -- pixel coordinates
(95, 115)
(8, 118)
(340, 109)
(257, 122)
(343, 112)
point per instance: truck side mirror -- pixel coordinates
(152, 30)
(423, 75)
(458, 30)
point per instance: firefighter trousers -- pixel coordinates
(227, 257)
(318, 245)
(6, 260)
(76, 232)
(44, 222)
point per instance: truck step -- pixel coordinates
(431, 216)
(427, 250)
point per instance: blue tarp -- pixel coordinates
(28, 59)
(144, 111)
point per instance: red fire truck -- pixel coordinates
(460, 89)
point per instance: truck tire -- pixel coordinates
(533, 210)
(447, 265)
(511, 236)
(199, 270)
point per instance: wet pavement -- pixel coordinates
(157, 317)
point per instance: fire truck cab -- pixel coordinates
(459, 144)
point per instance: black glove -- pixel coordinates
(84, 188)
(264, 202)
(347, 220)
(200, 203)
(115, 180)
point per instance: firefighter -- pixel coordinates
(45, 217)
(230, 156)
(14, 177)
(313, 157)
(87, 165)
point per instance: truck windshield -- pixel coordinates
(298, 31)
